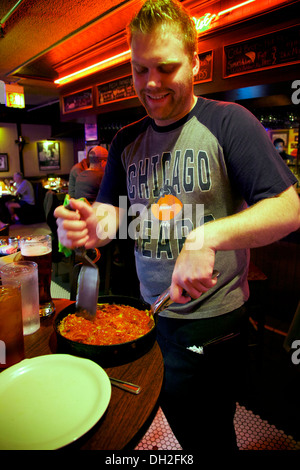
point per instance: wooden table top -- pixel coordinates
(127, 416)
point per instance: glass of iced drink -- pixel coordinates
(26, 272)
(39, 250)
(11, 324)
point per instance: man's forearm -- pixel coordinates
(265, 222)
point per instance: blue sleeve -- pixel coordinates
(254, 166)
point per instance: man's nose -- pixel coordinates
(153, 79)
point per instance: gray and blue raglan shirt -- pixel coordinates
(211, 164)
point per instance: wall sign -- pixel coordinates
(15, 97)
(263, 52)
(117, 90)
(77, 101)
(15, 100)
(206, 67)
(90, 131)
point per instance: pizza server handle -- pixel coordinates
(164, 300)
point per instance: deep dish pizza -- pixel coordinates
(113, 324)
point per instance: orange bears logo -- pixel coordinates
(167, 205)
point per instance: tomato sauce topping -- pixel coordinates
(113, 324)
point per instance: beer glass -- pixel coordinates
(26, 272)
(39, 250)
(11, 324)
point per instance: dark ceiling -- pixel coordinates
(38, 37)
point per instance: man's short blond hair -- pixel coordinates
(155, 13)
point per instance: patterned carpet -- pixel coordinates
(252, 432)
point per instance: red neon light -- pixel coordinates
(202, 24)
(235, 7)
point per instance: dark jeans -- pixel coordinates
(200, 391)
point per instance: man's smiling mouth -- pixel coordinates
(157, 97)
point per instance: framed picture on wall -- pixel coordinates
(82, 99)
(48, 155)
(3, 162)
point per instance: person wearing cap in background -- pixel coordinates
(88, 181)
(74, 172)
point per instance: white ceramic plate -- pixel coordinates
(50, 401)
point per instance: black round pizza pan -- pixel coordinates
(112, 355)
